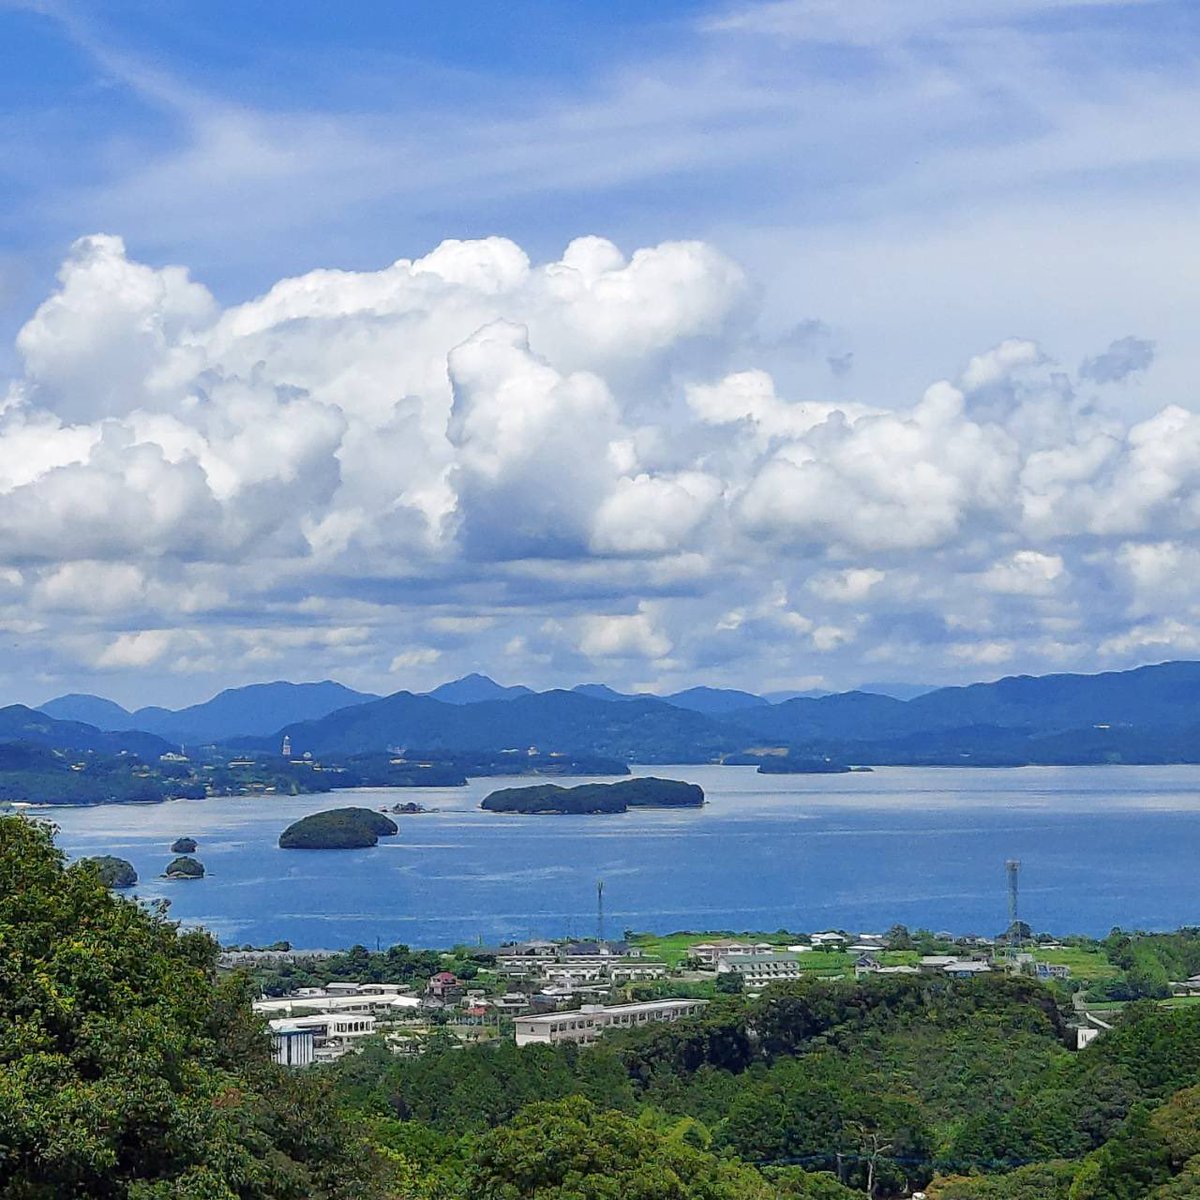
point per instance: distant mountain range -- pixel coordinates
(264, 708)
(1144, 715)
(29, 725)
(1150, 714)
(256, 710)
(563, 722)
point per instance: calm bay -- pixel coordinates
(1098, 846)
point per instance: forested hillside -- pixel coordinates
(965, 1088)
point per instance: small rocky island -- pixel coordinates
(596, 797)
(338, 829)
(114, 872)
(184, 867)
(183, 845)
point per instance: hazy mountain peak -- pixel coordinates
(714, 701)
(897, 690)
(601, 691)
(89, 709)
(474, 689)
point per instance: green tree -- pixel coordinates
(570, 1150)
(127, 1071)
(1039, 1181)
(1128, 1166)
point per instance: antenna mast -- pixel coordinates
(1012, 868)
(600, 911)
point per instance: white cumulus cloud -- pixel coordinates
(474, 453)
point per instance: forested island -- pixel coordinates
(184, 867)
(641, 792)
(114, 872)
(786, 764)
(338, 829)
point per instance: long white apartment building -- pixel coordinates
(757, 970)
(584, 966)
(614, 972)
(587, 1023)
(376, 999)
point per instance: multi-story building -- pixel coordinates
(589, 1022)
(583, 966)
(757, 970)
(707, 953)
(292, 1045)
(371, 999)
(331, 1035)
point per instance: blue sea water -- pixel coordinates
(1099, 846)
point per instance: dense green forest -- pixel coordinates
(129, 1069)
(964, 1088)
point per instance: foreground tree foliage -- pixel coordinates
(128, 1070)
(569, 1150)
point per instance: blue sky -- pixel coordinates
(848, 211)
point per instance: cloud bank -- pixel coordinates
(557, 471)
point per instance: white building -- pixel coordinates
(830, 937)
(966, 968)
(292, 1045)
(587, 1023)
(757, 970)
(933, 963)
(707, 953)
(582, 966)
(331, 1034)
(372, 999)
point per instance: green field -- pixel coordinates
(1090, 965)
(1087, 964)
(674, 949)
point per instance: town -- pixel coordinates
(552, 991)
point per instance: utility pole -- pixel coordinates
(599, 911)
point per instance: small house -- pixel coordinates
(443, 985)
